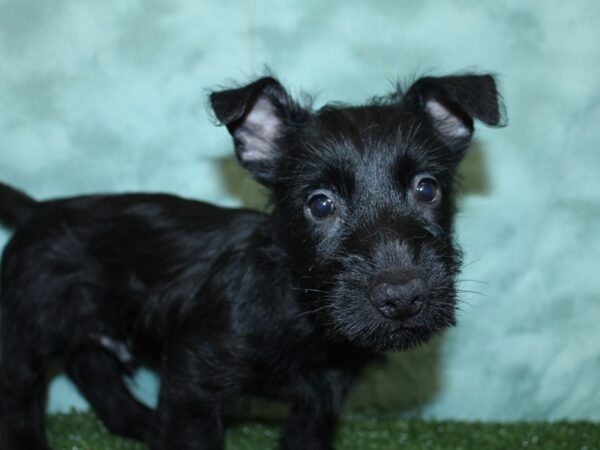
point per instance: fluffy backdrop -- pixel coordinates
(111, 96)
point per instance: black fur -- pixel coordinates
(15, 206)
(225, 302)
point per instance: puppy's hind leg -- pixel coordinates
(22, 395)
(99, 376)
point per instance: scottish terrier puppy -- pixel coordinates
(357, 257)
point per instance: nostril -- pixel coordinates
(417, 305)
(399, 300)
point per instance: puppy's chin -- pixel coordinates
(366, 328)
(398, 339)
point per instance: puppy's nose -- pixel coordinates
(399, 300)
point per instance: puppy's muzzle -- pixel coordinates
(398, 297)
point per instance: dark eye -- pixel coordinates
(426, 190)
(320, 206)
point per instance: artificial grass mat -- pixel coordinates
(81, 431)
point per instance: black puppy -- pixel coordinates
(357, 257)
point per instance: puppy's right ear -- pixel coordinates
(256, 116)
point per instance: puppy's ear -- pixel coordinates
(256, 116)
(451, 104)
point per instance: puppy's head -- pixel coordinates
(363, 198)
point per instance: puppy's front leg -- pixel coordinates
(190, 401)
(316, 406)
(187, 426)
(190, 424)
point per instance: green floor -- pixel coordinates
(79, 431)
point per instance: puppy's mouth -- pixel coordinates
(388, 303)
(366, 325)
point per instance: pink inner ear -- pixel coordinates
(259, 131)
(446, 122)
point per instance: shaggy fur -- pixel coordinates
(357, 257)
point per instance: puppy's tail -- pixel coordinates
(16, 207)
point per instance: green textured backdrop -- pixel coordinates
(110, 96)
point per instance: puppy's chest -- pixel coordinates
(279, 370)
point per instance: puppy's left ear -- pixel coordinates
(451, 104)
(257, 116)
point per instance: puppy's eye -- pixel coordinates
(426, 189)
(320, 206)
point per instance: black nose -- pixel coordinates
(398, 299)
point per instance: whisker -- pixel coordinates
(471, 292)
(312, 311)
(465, 280)
(310, 290)
(471, 262)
